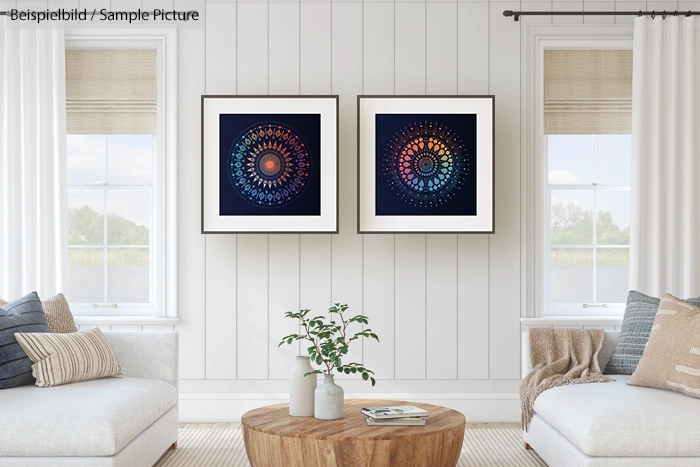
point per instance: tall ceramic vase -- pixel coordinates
(301, 389)
(329, 400)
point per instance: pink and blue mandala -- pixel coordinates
(425, 164)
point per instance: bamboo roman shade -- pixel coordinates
(111, 91)
(587, 91)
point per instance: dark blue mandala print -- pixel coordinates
(425, 164)
(269, 165)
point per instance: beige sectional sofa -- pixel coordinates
(612, 424)
(127, 421)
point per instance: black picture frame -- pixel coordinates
(328, 111)
(366, 155)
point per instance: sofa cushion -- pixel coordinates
(671, 359)
(58, 314)
(22, 315)
(90, 418)
(69, 357)
(634, 334)
(616, 420)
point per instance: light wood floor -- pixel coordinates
(204, 426)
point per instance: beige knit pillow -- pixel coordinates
(57, 313)
(68, 358)
(671, 358)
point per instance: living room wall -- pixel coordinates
(446, 307)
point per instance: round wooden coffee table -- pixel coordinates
(273, 438)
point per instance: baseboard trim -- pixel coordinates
(374, 395)
(228, 407)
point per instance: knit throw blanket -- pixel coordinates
(560, 357)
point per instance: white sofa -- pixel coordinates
(613, 424)
(127, 421)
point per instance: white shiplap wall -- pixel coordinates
(446, 306)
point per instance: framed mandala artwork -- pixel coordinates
(269, 164)
(425, 164)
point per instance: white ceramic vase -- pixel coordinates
(301, 389)
(329, 400)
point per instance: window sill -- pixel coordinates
(572, 321)
(125, 320)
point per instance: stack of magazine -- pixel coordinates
(403, 415)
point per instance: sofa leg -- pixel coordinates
(174, 445)
(527, 446)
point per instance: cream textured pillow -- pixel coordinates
(671, 359)
(68, 358)
(57, 312)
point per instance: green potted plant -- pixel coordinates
(330, 341)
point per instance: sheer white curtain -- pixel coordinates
(665, 223)
(33, 204)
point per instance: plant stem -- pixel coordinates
(345, 325)
(318, 351)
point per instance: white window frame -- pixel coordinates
(163, 245)
(534, 182)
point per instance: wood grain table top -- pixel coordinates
(275, 420)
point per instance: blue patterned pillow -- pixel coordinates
(634, 335)
(23, 315)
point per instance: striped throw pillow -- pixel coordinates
(23, 315)
(671, 359)
(58, 313)
(68, 358)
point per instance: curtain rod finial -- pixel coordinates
(509, 13)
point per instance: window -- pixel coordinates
(587, 149)
(588, 200)
(121, 173)
(577, 171)
(110, 219)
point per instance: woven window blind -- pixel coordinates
(587, 91)
(111, 91)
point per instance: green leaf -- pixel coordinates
(337, 361)
(290, 340)
(354, 370)
(373, 381)
(319, 360)
(365, 376)
(346, 370)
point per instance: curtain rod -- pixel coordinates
(517, 14)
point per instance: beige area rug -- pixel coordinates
(223, 446)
